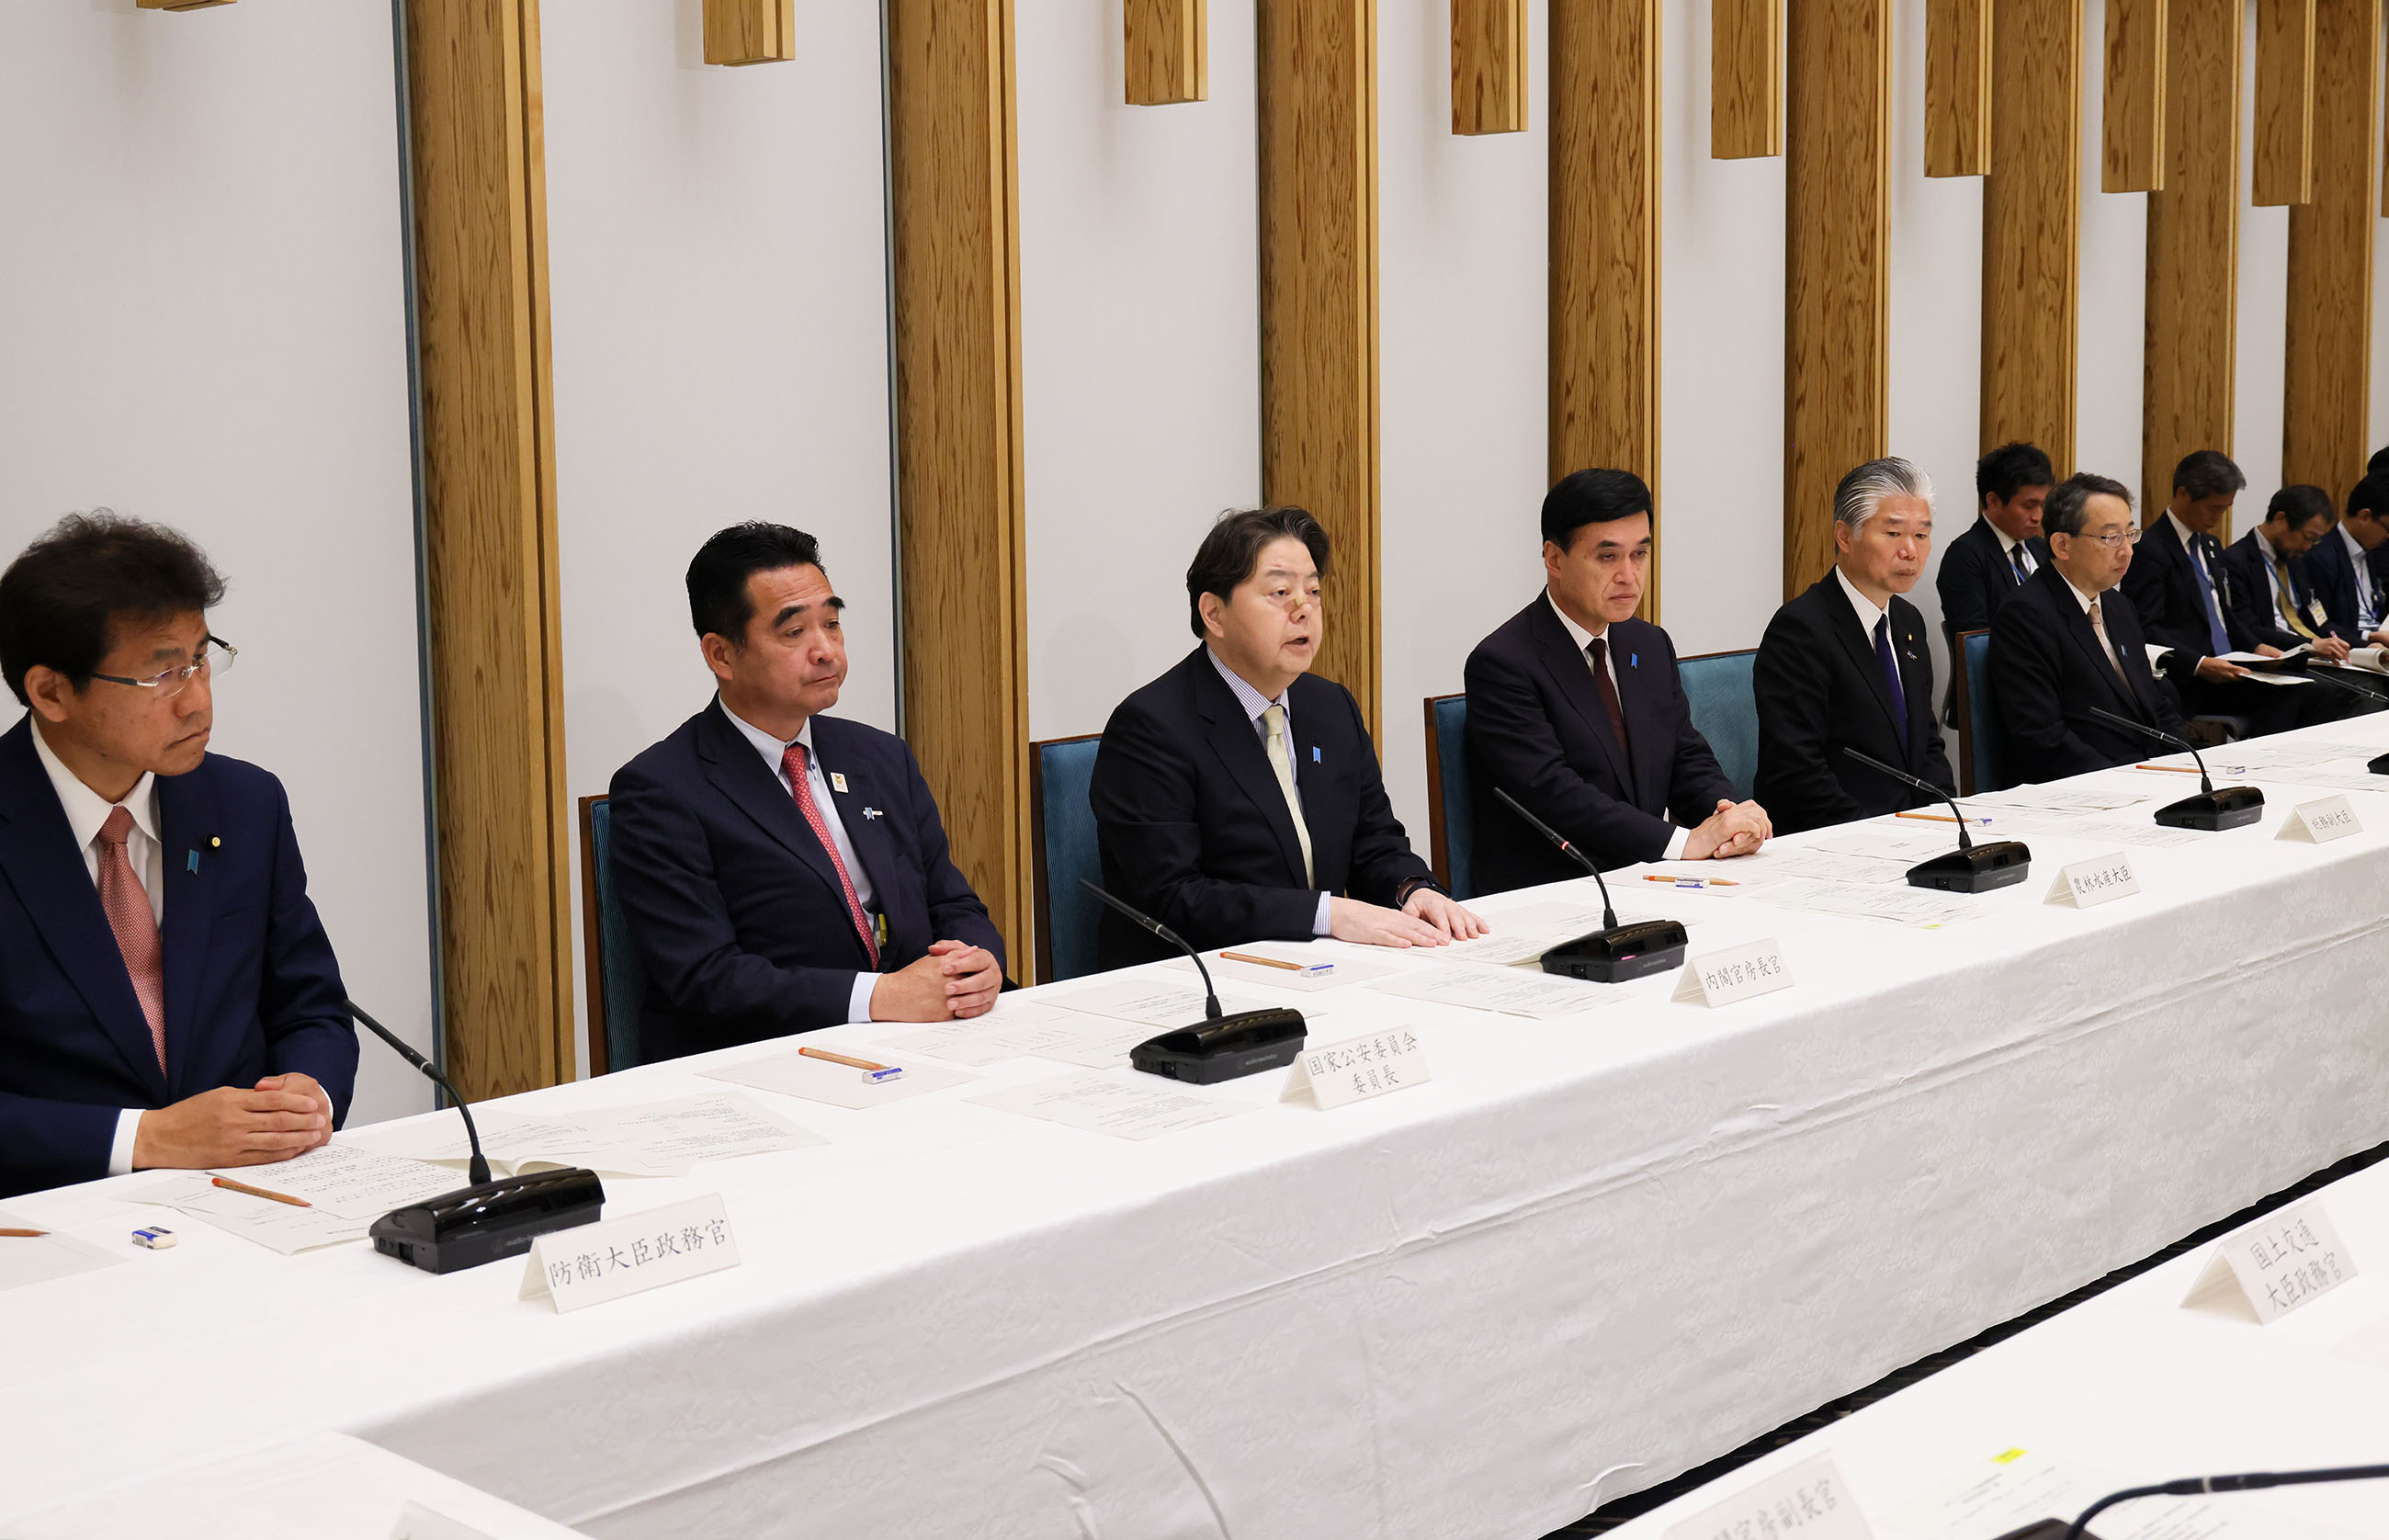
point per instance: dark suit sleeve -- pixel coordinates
(1148, 824)
(1795, 706)
(2027, 680)
(955, 911)
(664, 876)
(301, 1002)
(1516, 749)
(1965, 603)
(46, 1143)
(2144, 585)
(1936, 768)
(1382, 857)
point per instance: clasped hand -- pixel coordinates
(950, 982)
(283, 1116)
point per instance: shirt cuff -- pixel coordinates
(1319, 921)
(120, 1154)
(858, 999)
(1676, 843)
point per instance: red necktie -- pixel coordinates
(129, 915)
(793, 760)
(1598, 649)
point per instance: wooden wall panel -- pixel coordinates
(1957, 87)
(2032, 229)
(1837, 217)
(1604, 245)
(1168, 52)
(2131, 156)
(2194, 248)
(1746, 79)
(955, 266)
(1318, 99)
(2327, 397)
(2285, 102)
(1489, 52)
(749, 32)
(488, 490)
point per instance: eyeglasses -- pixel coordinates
(215, 657)
(2113, 542)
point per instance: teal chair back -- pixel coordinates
(1716, 687)
(1451, 817)
(1980, 765)
(1062, 840)
(617, 980)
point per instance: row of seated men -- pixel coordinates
(169, 997)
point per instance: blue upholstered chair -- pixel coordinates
(1980, 767)
(1451, 818)
(1716, 687)
(1062, 842)
(617, 980)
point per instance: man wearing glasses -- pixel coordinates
(168, 997)
(2068, 642)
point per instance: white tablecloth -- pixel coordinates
(1588, 1255)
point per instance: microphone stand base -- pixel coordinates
(489, 1221)
(1620, 953)
(1998, 863)
(1228, 1048)
(2225, 807)
(2378, 763)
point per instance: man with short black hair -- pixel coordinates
(2268, 569)
(1238, 797)
(1985, 566)
(2349, 568)
(1574, 708)
(785, 870)
(168, 997)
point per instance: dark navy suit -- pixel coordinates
(253, 988)
(2047, 671)
(1977, 578)
(1821, 689)
(2258, 600)
(739, 912)
(2332, 573)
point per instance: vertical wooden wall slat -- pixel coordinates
(1746, 79)
(2194, 248)
(1489, 52)
(1168, 51)
(2285, 101)
(1604, 245)
(955, 266)
(2131, 155)
(2032, 229)
(489, 465)
(1837, 217)
(749, 32)
(1318, 103)
(2327, 377)
(1957, 87)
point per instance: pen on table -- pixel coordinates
(1691, 882)
(1941, 818)
(23, 1234)
(231, 1186)
(1307, 969)
(870, 1071)
(2177, 769)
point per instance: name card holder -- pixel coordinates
(1735, 974)
(2277, 1264)
(591, 1263)
(2322, 822)
(2102, 879)
(1357, 1068)
(1810, 1500)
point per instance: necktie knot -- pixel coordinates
(118, 827)
(793, 759)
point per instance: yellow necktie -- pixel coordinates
(2284, 602)
(1274, 728)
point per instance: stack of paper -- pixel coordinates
(1509, 991)
(1122, 1106)
(345, 1189)
(648, 1138)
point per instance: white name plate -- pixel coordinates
(2087, 885)
(1809, 1500)
(2277, 1264)
(1358, 1068)
(1735, 973)
(591, 1263)
(2323, 821)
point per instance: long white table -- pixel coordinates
(1588, 1255)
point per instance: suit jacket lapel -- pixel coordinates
(2077, 626)
(1860, 647)
(1652, 746)
(740, 774)
(862, 808)
(39, 859)
(187, 820)
(1572, 670)
(1239, 748)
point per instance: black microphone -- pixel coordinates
(2193, 1486)
(488, 1220)
(1613, 953)
(1969, 869)
(2210, 809)
(1219, 1047)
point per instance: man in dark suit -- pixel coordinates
(1982, 567)
(1574, 708)
(2268, 574)
(1237, 798)
(784, 869)
(2349, 566)
(1845, 664)
(2065, 644)
(168, 997)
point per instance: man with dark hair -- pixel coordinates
(168, 997)
(2348, 568)
(2267, 565)
(1565, 715)
(2064, 644)
(1844, 666)
(1237, 798)
(784, 869)
(1984, 566)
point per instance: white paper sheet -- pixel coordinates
(1885, 842)
(277, 1227)
(1122, 1106)
(1007, 1032)
(1510, 991)
(2019, 1487)
(1825, 866)
(2153, 836)
(38, 1258)
(1902, 905)
(839, 1085)
(347, 1180)
(2052, 799)
(647, 1139)
(1161, 1004)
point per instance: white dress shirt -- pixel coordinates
(2368, 597)
(2008, 545)
(775, 752)
(1254, 704)
(87, 810)
(1583, 639)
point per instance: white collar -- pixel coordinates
(1253, 702)
(1869, 611)
(2007, 542)
(2085, 600)
(774, 750)
(85, 808)
(2356, 553)
(2187, 535)
(1577, 633)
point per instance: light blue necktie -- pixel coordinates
(2218, 640)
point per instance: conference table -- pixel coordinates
(1587, 1254)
